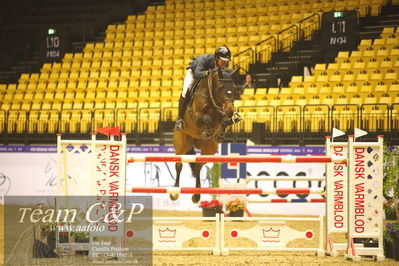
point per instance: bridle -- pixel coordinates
(216, 101)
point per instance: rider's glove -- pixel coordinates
(210, 72)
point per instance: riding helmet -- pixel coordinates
(223, 53)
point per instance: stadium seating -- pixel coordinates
(120, 81)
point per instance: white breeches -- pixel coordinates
(188, 79)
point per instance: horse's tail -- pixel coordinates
(192, 165)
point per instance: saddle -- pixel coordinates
(192, 89)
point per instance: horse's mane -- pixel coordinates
(227, 70)
(228, 73)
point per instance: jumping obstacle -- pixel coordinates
(92, 168)
(193, 190)
(366, 186)
(270, 234)
(337, 197)
(171, 233)
(365, 197)
(287, 200)
(285, 178)
(221, 236)
(237, 159)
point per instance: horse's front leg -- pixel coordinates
(205, 122)
(197, 171)
(178, 167)
(183, 145)
(207, 147)
(219, 136)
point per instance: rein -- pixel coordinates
(212, 97)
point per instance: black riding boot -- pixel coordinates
(180, 115)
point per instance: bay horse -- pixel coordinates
(206, 120)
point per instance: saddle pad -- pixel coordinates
(192, 90)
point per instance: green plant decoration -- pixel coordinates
(391, 178)
(214, 176)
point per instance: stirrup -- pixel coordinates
(179, 125)
(234, 119)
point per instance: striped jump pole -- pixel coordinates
(287, 201)
(236, 159)
(237, 191)
(285, 178)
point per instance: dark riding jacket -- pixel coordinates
(201, 64)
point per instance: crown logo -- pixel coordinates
(271, 234)
(167, 233)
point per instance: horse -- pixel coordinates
(206, 120)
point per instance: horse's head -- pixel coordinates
(225, 91)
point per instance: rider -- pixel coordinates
(200, 67)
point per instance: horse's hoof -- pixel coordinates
(196, 198)
(173, 196)
(205, 136)
(219, 139)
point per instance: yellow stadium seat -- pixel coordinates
(336, 77)
(353, 87)
(47, 104)
(39, 95)
(72, 83)
(345, 65)
(321, 77)
(29, 95)
(385, 99)
(394, 54)
(386, 63)
(67, 104)
(22, 86)
(387, 32)
(248, 92)
(328, 100)
(44, 76)
(364, 44)
(300, 89)
(77, 105)
(288, 118)
(363, 75)
(369, 53)
(82, 84)
(370, 99)
(59, 95)
(325, 88)
(16, 121)
(367, 87)
(311, 89)
(342, 56)
(394, 87)
(381, 87)
(391, 74)
(67, 57)
(19, 95)
(5, 105)
(391, 42)
(295, 81)
(49, 95)
(27, 105)
(275, 91)
(56, 105)
(88, 104)
(110, 104)
(302, 100)
(358, 64)
(382, 52)
(342, 100)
